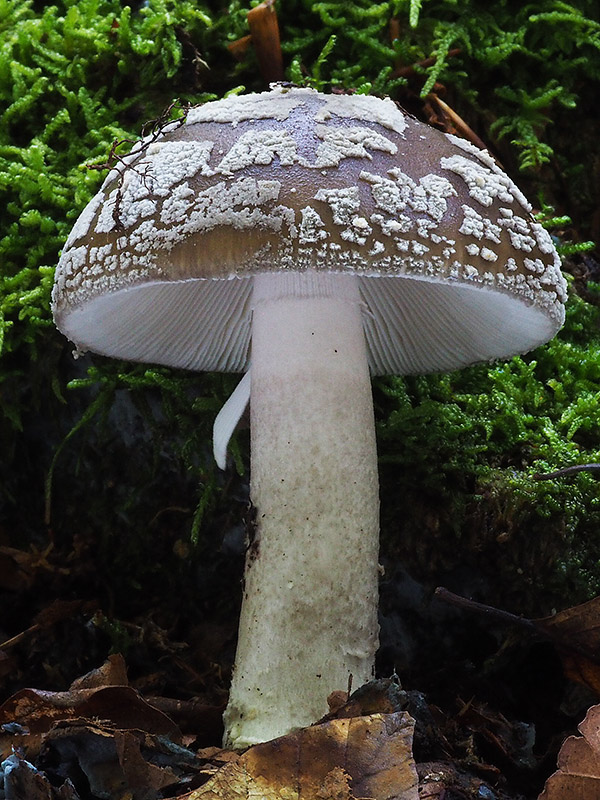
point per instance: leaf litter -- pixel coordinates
(105, 738)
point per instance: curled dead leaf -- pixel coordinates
(99, 695)
(342, 759)
(116, 762)
(112, 673)
(576, 633)
(577, 627)
(578, 774)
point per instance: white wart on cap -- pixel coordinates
(156, 268)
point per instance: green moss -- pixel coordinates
(76, 75)
(470, 444)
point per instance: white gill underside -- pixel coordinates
(412, 326)
(309, 611)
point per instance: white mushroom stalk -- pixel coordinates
(309, 613)
(307, 240)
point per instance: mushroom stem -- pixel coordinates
(309, 611)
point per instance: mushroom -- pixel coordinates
(310, 241)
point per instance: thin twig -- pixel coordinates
(151, 131)
(544, 476)
(480, 608)
(19, 637)
(406, 72)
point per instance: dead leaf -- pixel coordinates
(116, 762)
(22, 781)
(264, 30)
(38, 710)
(576, 633)
(126, 747)
(382, 696)
(442, 779)
(578, 774)
(580, 669)
(92, 697)
(343, 759)
(112, 673)
(577, 627)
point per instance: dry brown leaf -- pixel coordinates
(578, 774)
(38, 710)
(576, 633)
(22, 781)
(98, 695)
(112, 673)
(264, 30)
(379, 696)
(343, 759)
(580, 669)
(117, 763)
(439, 780)
(577, 628)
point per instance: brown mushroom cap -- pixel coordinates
(452, 267)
